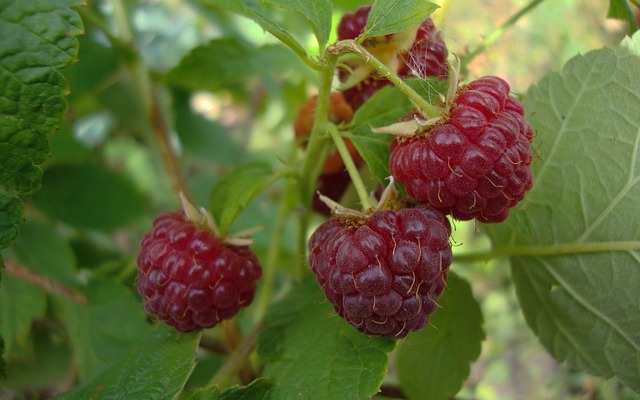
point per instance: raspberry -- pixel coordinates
(475, 165)
(383, 274)
(189, 278)
(427, 55)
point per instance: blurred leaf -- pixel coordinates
(20, 304)
(385, 107)
(228, 64)
(434, 362)
(312, 353)
(256, 390)
(391, 16)
(231, 194)
(105, 329)
(619, 9)
(249, 9)
(575, 242)
(37, 38)
(317, 12)
(156, 368)
(90, 196)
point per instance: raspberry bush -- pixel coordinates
(319, 200)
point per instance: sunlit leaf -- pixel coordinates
(391, 16)
(317, 12)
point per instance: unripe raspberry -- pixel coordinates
(189, 278)
(477, 164)
(383, 274)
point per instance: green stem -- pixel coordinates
(351, 46)
(351, 167)
(497, 34)
(238, 359)
(547, 251)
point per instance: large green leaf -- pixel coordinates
(317, 12)
(87, 195)
(104, 329)
(575, 242)
(36, 39)
(312, 353)
(620, 9)
(391, 16)
(433, 363)
(156, 368)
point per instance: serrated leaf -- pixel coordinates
(312, 353)
(259, 389)
(11, 216)
(619, 9)
(232, 193)
(87, 195)
(575, 242)
(228, 64)
(391, 16)
(384, 108)
(105, 329)
(250, 10)
(434, 362)
(317, 12)
(36, 39)
(156, 368)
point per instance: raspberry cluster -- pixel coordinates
(383, 273)
(477, 164)
(426, 56)
(189, 278)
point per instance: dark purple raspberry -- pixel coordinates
(478, 163)
(384, 274)
(427, 56)
(189, 279)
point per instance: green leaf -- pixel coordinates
(619, 9)
(317, 12)
(37, 38)
(90, 196)
(259, 389)
(391, 16)
(384, 108)
(105, 328)
(231, 194)
(156, 368)
(250, 10)
(228, 64)
(312, 353)
(575, 242)
(20, 304)
(434, 362)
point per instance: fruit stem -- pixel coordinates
(497, 34)
(351, 167)
(233, 340)
(238, 358)
(351, 46)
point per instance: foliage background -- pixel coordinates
(102, 148)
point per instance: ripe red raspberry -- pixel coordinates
(189, 278)
(475, 165)
(384, 273)
(427, 55)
